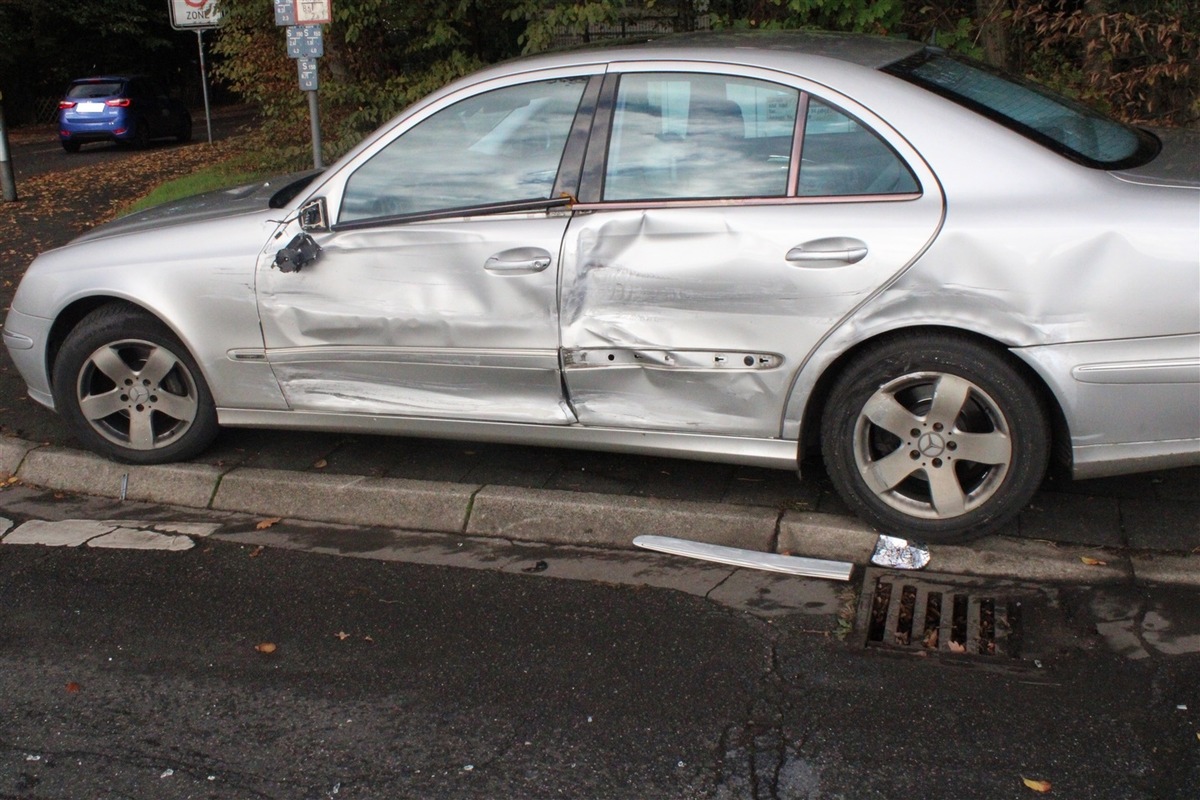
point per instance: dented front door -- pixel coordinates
(435, 292)
(696, 314)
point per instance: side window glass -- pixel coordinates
(495, 147)
(841, 157)
(698, 136)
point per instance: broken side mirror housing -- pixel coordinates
(313, 216)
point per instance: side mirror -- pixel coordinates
(313, 217)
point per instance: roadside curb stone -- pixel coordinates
(564, 517)
(346, 499)
(13, 452)
(68, 470)
(560, 517)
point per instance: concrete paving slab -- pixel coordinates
(134, 539)
(64, 533)
(5, 525)
(1161, 524)
(68, 470)
(1079, 519)
(583, 518)
(346, 499)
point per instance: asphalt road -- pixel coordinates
(135, 674)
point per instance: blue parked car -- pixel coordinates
(115, 108)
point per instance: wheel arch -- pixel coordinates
(73, 313)
(814, 406)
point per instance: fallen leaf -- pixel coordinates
(73, 687)
(320, 464)
(342, 635)
(1093, 562)
(955, 647)
(266, 523)
(1037, 786)
(256, 552)
(265, 647)
(372, 641)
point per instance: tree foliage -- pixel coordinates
(44, 45)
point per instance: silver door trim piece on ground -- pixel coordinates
(737, 557)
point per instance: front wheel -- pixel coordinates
(130, 389)
(935, 438)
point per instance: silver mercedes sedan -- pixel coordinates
(731, 247)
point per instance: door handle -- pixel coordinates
(830, 252)
(519, 261)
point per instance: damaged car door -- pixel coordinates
(734, 222)
(432, 290)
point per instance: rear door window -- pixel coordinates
(698, 136)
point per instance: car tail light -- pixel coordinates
(66, 103)
(118, 102)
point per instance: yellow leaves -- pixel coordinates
(320, 463)
(1038, 786)
(1093, 562)
(342, 635)
(266, 648)
(267, 523)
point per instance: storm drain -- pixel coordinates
(939, 614)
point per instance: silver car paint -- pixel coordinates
(1071, 277)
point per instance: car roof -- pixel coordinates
(765, 48)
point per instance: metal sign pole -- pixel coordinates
(204, 83)
(316, 129)
(7, 184)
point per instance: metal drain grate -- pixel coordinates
(939, 613)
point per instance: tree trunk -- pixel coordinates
(993, 31)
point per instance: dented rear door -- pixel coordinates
(704, 263)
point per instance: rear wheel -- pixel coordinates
(130, 389)
(935, 438)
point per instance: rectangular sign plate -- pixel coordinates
(190, 14)
(305, 41)
(314, 12)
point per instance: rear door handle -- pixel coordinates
(833, 251)
(519, 261)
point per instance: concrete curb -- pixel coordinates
(557, 517)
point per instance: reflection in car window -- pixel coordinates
(841, 157)
(699, 136)
(500, 146)
(1068, 127)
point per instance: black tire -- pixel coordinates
(935, 438)
(71, 147)
(131, 390)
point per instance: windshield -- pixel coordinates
(1067, 127)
